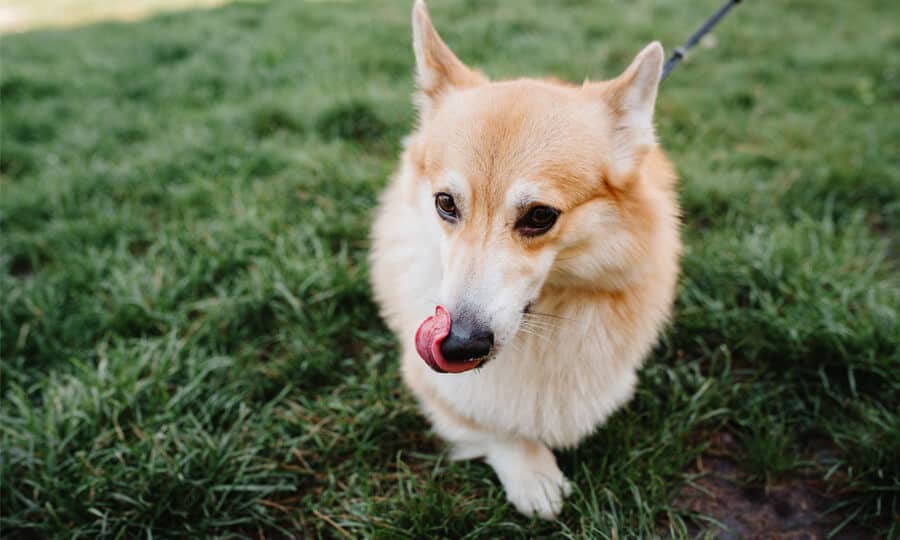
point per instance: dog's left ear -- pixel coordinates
(632, 98)
(438, 70)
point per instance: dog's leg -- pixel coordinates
(526, 468)
(532, 480)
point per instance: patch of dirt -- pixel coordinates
(792, 508)
(21, 267)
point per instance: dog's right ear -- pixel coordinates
(438, 70)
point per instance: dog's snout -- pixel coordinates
(467, 341)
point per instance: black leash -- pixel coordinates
(680, 52)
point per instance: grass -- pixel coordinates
(189, 344)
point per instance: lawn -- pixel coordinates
(190, 347)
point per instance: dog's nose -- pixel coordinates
(467, 342)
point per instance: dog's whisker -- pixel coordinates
(548, 315)
(548, 322)
(543, 330)
(530, 332)
(535, 334)
(541, 324)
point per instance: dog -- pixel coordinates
(526, 255)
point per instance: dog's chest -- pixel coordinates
(556, 388)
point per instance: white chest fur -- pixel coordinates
(556, 387)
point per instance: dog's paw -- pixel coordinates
(530, 476)
(536, 492)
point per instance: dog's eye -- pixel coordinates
(446, 207)
(537, 221)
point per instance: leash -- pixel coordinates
(681, 52)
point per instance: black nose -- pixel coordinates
(467, 342)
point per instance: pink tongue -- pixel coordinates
(430, 335)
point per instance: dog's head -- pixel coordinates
(535, 184)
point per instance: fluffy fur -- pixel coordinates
(574, 311)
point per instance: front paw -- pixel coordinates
(537, 492)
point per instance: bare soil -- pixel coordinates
(796, 507)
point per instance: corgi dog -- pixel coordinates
(526, 255)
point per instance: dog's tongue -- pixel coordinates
(430, 335)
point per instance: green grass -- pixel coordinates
(190, 346)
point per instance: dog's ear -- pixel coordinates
(438, 70)
(632, 98)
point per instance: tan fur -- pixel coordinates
(604, 275)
